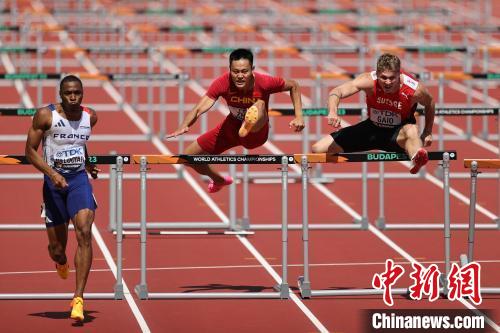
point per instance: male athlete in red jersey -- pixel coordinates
(391, 97)
(247, 95)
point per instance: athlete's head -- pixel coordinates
(388, 70)
(241, 67)
(71, 92)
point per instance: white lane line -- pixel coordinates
(199, 89)
(323, 189)
(278, 279)
(21, 90)
(357, 216)
(460, 196)
(434, 180)
(480, 142)
(63, 36)
(187, 268)
(130, 300)
(471, 307)
(132, 114)
(320, 187)
(330, 195)
(461, 88)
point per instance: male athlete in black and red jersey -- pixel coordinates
(391, 97)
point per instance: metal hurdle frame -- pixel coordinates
(232, 225)
(244, 221)
(474, 165)
(180, 78)
(381, 176)
(282, 290)
(118, 288)
(304, 281)
(441, 76)
(380, 222)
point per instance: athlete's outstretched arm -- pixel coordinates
(203, 106)
(423, 97)
(362, 82)
(295, 96)
(41, 123)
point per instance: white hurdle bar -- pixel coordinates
(381, 222)
(155, 225)
(304, 281)
(282, 290)
(118, 288)
(474, 165)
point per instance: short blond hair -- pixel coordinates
(389, 62)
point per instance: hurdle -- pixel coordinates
(231, 225)
(282, 290)
(118, 288)
(304, 281)
(176, 80)
(381, 175)
(381, 221)
(474, 165)
(354, 111)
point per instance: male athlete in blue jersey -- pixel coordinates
(64, 130)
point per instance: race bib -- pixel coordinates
(238, 113)
(70, 158)
(383, 118)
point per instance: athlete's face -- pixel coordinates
(241, 73)
(71, 95)
(388, 80)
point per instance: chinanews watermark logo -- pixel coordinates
(420, 320)
(461, 282)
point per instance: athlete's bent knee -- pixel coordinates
(84, 235)
(410, 130)
(83, 226)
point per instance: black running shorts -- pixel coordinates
(365, 136)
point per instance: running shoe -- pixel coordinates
(418, 160)
(62, 270)
(249, 122)
(213, 187)
(77, 308)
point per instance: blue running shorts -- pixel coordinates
(62, 204)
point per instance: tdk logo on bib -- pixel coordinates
(70, 158)
(69, 152)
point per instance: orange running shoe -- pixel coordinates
(62, 270)
(419, 160)
(249, 122)
(77, 308)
